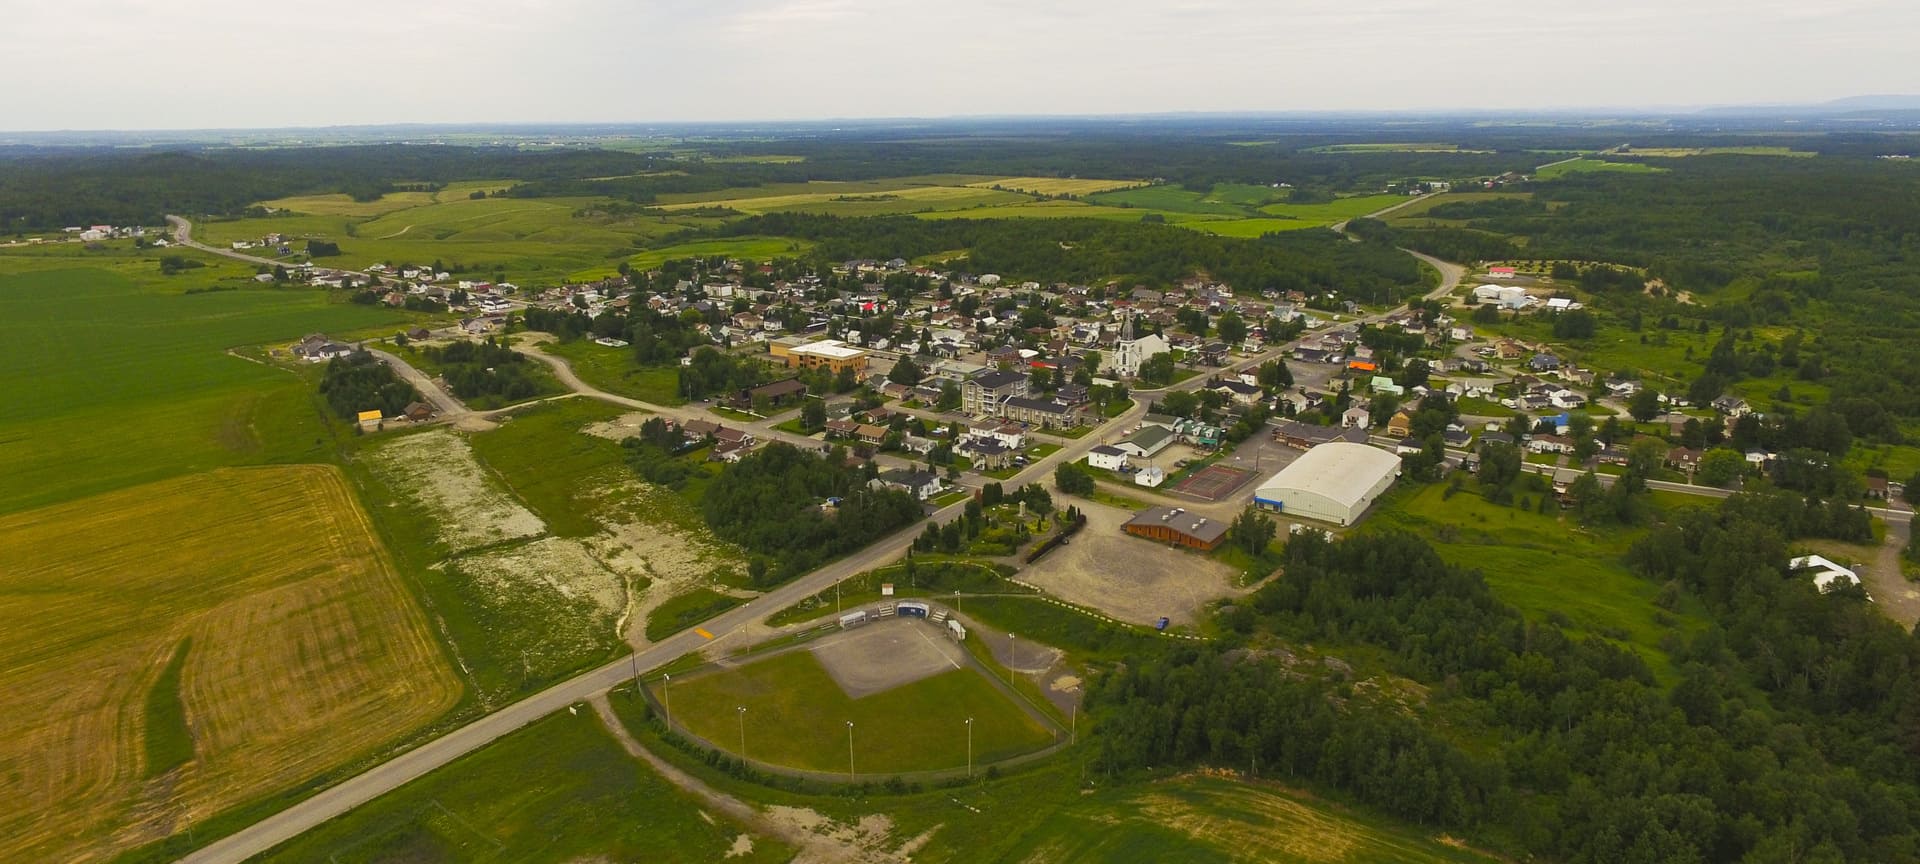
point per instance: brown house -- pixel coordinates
(1400, 425)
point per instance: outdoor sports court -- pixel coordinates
(1213, 482)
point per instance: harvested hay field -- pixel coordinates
(299, 629)
(1057, 185)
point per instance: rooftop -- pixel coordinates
(1180, 519)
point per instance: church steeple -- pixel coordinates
(1126, 328)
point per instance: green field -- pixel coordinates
(1558, 169)
(1214, 820)
(686, 610)
(1176, 199)
(1544, 565)
(614, 370)
(796, 716)
(569, 479)
(114, 376)
(1756, 150)
(168, 740)
(591, 802)
(1394, 147)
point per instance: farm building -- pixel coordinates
(1177, 526)
(1333, 482)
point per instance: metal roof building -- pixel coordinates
(1332, 482)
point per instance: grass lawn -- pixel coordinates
(731, 414)
(1076, 432)
(954, 497)
(570, 479)
(1542, 564)
(1102, 496)
(796, 716)
(614, 370)
(686, 610)
(1117, 408)
(793, 425)
(560, 790)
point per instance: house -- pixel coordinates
(1150, 476)
(1400, 424)
(983, 393)
(1383, 384)
(870, 434)
(1005, 357)
(1238, 391)
(1549, 444)
(1877, 488)
(369, 420)
(729, 451)
(920, 484)
(1145, 441)
(778, 393)
(1355, 417)
(418, 412)
(984, 453)
(1683, 459)
(1543, 362)
(843, 429)
(1045, 413)
(1107, 458)
(319, 349)
(1732, 406)
(1407, 446)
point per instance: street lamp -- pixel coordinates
(849, 751)
(969, 746)
(743, 732)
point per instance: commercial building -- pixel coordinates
(1333, 482)
(830, 353)
(1177, 526)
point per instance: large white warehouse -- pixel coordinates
(1332, 482)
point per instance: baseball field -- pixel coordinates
(182, 647)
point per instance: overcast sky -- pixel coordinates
(181, 64)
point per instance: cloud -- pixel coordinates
(153, 64)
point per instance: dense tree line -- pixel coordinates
(1092, 250)
(489, 369)
(769, 503)
(1790, 735)
(360, 382)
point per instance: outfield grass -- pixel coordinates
(114, 376)
(614, 370)
(560, 790)
(686, 610)
(300, 628)
(1545, 565)
(1579, 165)
(796, 716)
(1212, 819)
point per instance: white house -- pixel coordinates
(1107, 458)
(1150, 476)
(1356, 417)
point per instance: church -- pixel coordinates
(1130, 352)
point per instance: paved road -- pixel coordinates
(183, 235)
(374, 782)
(443, 402)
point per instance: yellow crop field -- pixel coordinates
(1057, 185)
(932, 197)
(176, 649)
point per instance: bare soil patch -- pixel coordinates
(437, 470)
(1130, 578)
(878, 657)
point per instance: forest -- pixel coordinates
(360, 382)
(1087, 250)
(1793, 733)
(475, 370)
(769, 502)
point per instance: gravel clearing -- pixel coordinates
(437, 470)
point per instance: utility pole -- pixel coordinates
(969, 746)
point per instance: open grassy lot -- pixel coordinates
(1557, 169)
(114, 375)
(344, 205)
(560, 790)
(1056, 185)
(615, 371)
(861, 199)
(1177, 199)
(796, 716)
(1336, 210)
(1065, 209)
(1546, 566)
(1213, 819)
(686, 610)
(299, 629)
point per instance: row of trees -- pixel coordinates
(360, 382)
(769, 503)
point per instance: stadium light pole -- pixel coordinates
(849, 751)
(1013, 653)
(742, 710)
(666, 690)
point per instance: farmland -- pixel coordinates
(593, 802)
(1056, 185)
(796, 714)
(298, 628)
(1557, 169)
(102, 401)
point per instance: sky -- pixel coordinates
(196, 64)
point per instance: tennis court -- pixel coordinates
(1213, 482)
